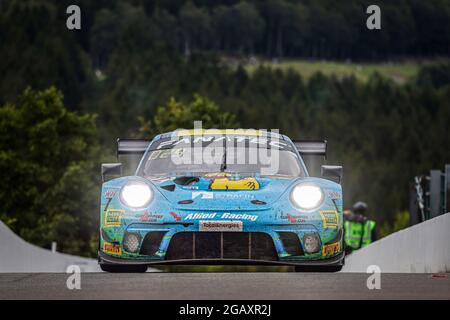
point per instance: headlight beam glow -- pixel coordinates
(307, 196)
(136, 194)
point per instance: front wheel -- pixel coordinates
(123, 268)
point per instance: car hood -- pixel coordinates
(222, 192)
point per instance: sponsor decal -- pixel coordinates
(334, 194)
(330, 249)
(217, 175)
(164, 154)
(188, 140)
(242, 216)
(222, 196)
(109, 194)
(295, 219)
(329, 218)
(196, 216)
(113, 217)
(202, 195)
(212, 225)
(241, 184)
(234, 196)
(192, 132)
(173, 214)
(150, 217)
(226, 215)
(112, 248)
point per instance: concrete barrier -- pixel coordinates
(17, 255)
(422, 248)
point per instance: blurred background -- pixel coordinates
(310, 68)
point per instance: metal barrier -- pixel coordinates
(430, 195)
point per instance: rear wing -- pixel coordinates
(132, 146)
(311, 148)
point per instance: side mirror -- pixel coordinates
(111, 171)
(333, 173)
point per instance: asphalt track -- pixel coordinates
(227, 285)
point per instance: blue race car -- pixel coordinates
(220, 197)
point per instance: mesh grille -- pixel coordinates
(221, 245)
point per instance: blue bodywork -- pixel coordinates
(177, 208)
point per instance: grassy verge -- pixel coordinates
(400, 72)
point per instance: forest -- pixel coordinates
(139, 67)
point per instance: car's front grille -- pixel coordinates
(221, 245)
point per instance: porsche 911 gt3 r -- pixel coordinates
(219, 207)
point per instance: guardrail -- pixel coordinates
(430, 195)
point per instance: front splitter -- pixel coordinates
(333, 261)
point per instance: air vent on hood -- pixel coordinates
(258, 202)
(186, 181)
(170, 187)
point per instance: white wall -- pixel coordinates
(422, 248)
(17, 255)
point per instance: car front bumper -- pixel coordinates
(337, 260)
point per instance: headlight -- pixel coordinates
(136, 194)
(307, 196)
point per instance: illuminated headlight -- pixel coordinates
(311, 243)
(136, 195)
(131, 242)
(307, 196)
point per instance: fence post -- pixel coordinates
(447, 188)
(435, 193)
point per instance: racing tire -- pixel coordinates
(123, 269)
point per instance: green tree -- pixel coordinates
(177, 115)
(401, 221)
(238, 27)
(195, 25)
(39, 51)
(49, 185)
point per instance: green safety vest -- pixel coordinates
(358, 234)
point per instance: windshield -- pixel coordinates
(261, 159)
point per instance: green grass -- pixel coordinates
(400, 72)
